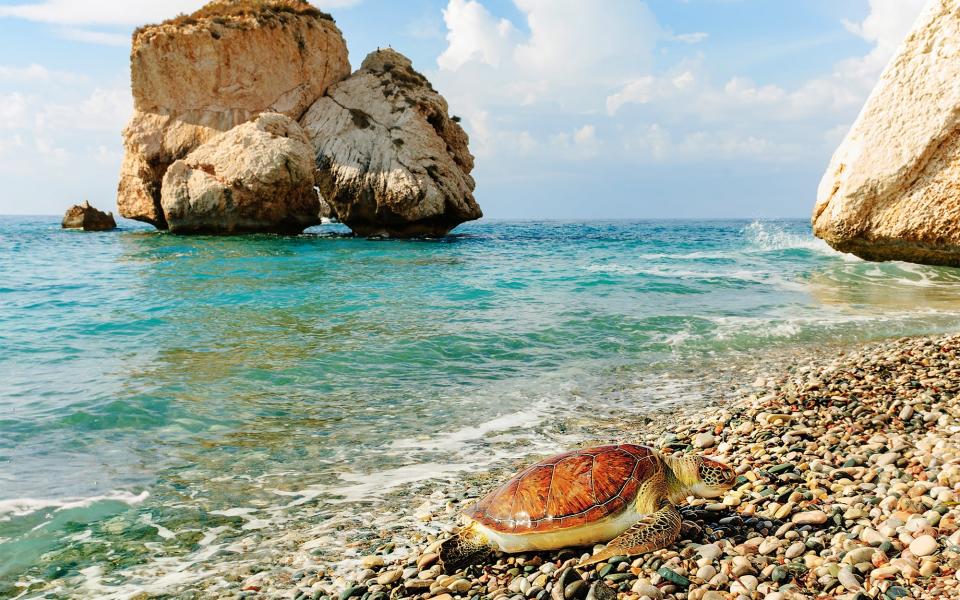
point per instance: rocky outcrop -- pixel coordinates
(268, 186)
(390, 159)
(892, 190)
(196, 76)
(85, 217)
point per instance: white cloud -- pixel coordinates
(647, 89)
(94, 37)
(14, 111)
(474, 34)
(33, 72)
(585, 135)
(565, 61)
(887, 24)
(103, 110)
(114, 12)
(690, 38)
(571, 49)
(656, 143)
(837, 94)
(100, 12)
(573, 39)
(534, 80)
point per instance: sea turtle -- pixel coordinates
(622, 494)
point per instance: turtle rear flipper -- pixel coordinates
(465, 548)
(653, 532)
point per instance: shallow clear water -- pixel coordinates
(163, 396)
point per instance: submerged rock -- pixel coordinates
(85, 217)
(390, 159)
(196, 76)
(256, 177)
(891, 190)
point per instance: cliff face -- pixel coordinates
(390, 159)
(197, 76)
(892, 190)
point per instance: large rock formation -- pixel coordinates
(390, 159)
(85, 217)
(256, 177)
(892, 190)
(199, 75)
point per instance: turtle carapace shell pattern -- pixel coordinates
(568, 490)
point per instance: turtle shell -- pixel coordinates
(568, 490)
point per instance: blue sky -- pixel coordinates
(576, 108)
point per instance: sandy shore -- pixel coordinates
(850, 476)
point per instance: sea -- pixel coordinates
(171, 406)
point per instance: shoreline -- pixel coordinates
(851, 475)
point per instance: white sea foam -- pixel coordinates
(456, 439)
(766, 236)
(21, 507)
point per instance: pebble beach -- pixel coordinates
(849, 475)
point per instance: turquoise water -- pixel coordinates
(164, 397)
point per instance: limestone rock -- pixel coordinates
(390, 159)
(892, 190)
(256, 177)
(199, 75)
(85, 217)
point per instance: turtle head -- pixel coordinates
(701, 476)
(715, 478)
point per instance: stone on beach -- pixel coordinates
(813, 517)
(924, 545)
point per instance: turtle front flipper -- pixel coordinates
(652, 532)
(465, 548)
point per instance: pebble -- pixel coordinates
(601, 591)
(427, 560)
(389, 577)
(848, 580)
(795, 550)
(645, 589)
(924, 545)
(706, 572)
(813, 517)
(888, 459)
(741, 565)
(704, 440)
